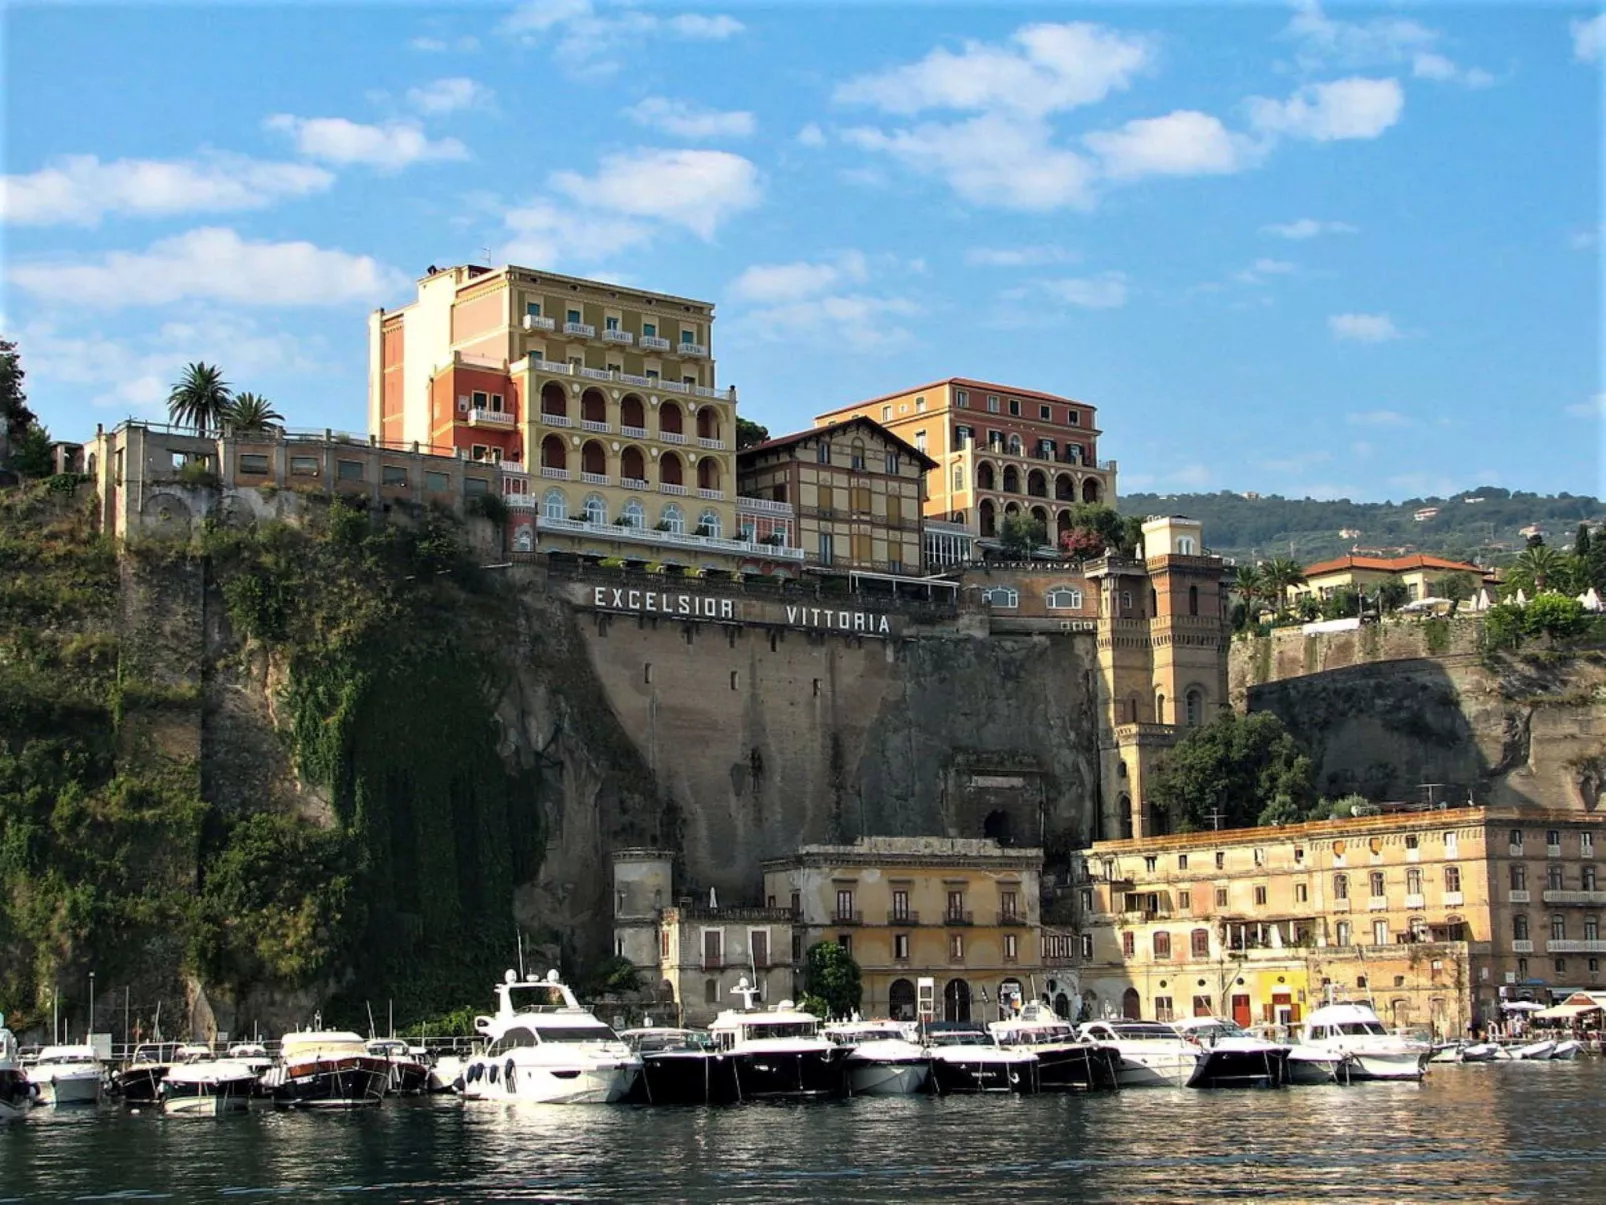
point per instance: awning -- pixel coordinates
(1565, 1012)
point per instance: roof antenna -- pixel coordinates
(487, 251)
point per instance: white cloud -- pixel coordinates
(389, 147)
(1585, 240)
(1105, 291)
(770, 284)
(1428, 65)
(811, 135)
(1192, 476)
(1377, 418)
(429, 45)
(691, 188)
(1182, 143)
(1588, 38)
(995, 159)
(696, 27)
(449, 96)
(1344, 109)
(1041, 69)
(1363, 328)
(686, 120)
(1257, 272)
(1326, 42)
(211, 263)
(80, 189)
(1303, 228)
(1018, 257)
(1595, 407)
(544, 232)
(1361, 448)
(578, 31)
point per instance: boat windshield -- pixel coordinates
(961, 1037)
(1036, 1035)
(784, 1029)
(1371, 1027)
(1144, 1033)
(537, 1035)
(669, 1039)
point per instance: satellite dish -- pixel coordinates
(552, 976)
(512, 976)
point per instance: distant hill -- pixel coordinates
(1485, 525)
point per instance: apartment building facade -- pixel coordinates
(1000, 451)
(965, 912)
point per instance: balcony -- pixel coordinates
(847, 918)
(956, 917)
(536, 322)
(1591, 899)
(555, 474)
(596, 478)
(635, 483)
(623, 338)
(1522, 946)
(1572, 945)
(556, 420)
(1341, 905)
(672, 437)
(763, 506)
(711, 495)
(641, 535)
(692, 349)
(518, 501)
(667, 488)
(1521, 897)
(490, 418)
(1012, 918)
(580, 330)
(632, 432)
(1454, 899)
(1552, 851)
(655, 343)
(1415, 902)
(1378, 903)
(717, 445)
(553, 367)
(903, 918)
(591, 424)
(597, 374)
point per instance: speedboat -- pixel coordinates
(17, 1095)
(209, 1087)
(139, 1081)
(1354, 1032)
(67, 1075)
(1478, 1052)
(1308, 1065)
(679, 1068)
(965, 1059)
(326, 1069)
(1535, 1051)
(881, 1061)
(1233, 1057)
(543, 1047)
(409, 1072)
(778, 1053)
(1152, 1055)
(1065, 1062)
(1566, 1050)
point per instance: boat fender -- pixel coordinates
(507, 1073)
(492, 1072)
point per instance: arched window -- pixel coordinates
(1001, 597)
(554, 505)
(1090, 490)
(901, 1000)
(554, 455)
(1193, 600)
(1131, 1005)
(633, 414)
(987, 517)
(673, 519)
(1558, 928)
(985, 477)
(959, 478)
(669, 470)
(596, 510)
(1064, 488)
(1065, 596)
(857, 461)
(1159, 708)
(708, 524)
(633, 514)
(1195, 703)
(1185, 545)
(633, 465)
(1014, 445)
(1011, 479)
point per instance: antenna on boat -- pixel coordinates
(746, 991)
(519, 933)
(370, 1008)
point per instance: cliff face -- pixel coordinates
(1386, 712)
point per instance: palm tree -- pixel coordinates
(200, 398)
(1281, 575)
(250, 414)
(1248, 583)
(1539, 569)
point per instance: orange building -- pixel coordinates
(999, 451)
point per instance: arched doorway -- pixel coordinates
(708, 423)
(554, 455)
(1064, 487)
(1090, 490)
(1062, 526)
(1131, 1005)
(594, 407)
(956, 1001)
(708, 474)
(985, 478)
(989, 518)
(633, 465)
(594, 459)
(669, 470)
(901, 1000)
(1062, 1006)
(1011, 996)
(669, 419)
(554, 399)
(1037, 483)
(1011, 479)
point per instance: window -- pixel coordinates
(797, 903)
(856, 455)
(307, 466)
(1553, 838)
(253, 462)
(1150, 863)
(1553, 877)
(1341, 886)
(1378, 889)
(920, 441)
(687, 336)
(649, 330)
(596, 509)
(844, 904)
(1162, 945)
(900, 947)
(633, 515)
(892, 463)
(392, 474)
(348, 470)
(992, 403)
(1199, 943)
(1260, 897)
(920, 405)
(477, 452)
(1128, 944)
(1591, 928)
(1449, 845)
(1413, 881)
(1046, 413)
(1185, 900)
(553, 506)
(1001, 597)
(1516, 838)
(1260, 857)
(1195, 708)
(713, 949)
(1066, 597)
(1519, 877)
(1586, 845)
(1014, 406)
(1221, 897)
(822, 452)
(1087, 947)
(1558, 928)
(956, 906)
(1162, 1008)
(610, 323)
(1221, 860)
(1011, 947)
(956, 947)
(1380, 933)
(1587, 878)
(1452, 878)
(708, 524)
(1301, 893)
(827, 549)
(437, 483)
(1561, 966)
(1519, 927)
(1341, 933)
(886, 414)
(1522, 968)
(532, 308)
(1410, 841)
(673, 519)
(900, 904)
(1008, 904)
(845, 940)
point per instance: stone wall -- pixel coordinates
(1289, 653)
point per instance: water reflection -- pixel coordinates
(1508, 1131)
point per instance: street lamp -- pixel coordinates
(90, 1035)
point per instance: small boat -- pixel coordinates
(1233, 1057)
(966, 1060)
(1065, 1061)
(209, 1087)
(17, 1095)
(1307, 1066)
(778, 1053)
(139, 1082)
(1354, 1031)
(1479, 1052)
(545, 1048)
(1566, 1050)
(1151, 1055)
(1535, 1051)
(1448, 1052)
(409, 1068)
(882, 1061)
(326, 1069)
(678, 1067)
(68, 1075)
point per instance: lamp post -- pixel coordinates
(89, 1036)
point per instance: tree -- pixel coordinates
(200, 398)
(1581, 542)
(749, 433)
(1538, 569)
(30, 452)
(1242, 767)
(1020, 533)
(15, 417)
(832, 977)
(1457, 587)
(1555, 616)
(250, 414)
(1344, 603)
(1248, 584)
(1392, 595)
(1503, 626)
(1281, 574)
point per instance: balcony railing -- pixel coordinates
(489, 418)
(1414, 902)
(1012, 918)
(1454, 899)
(538, 322)
(704, 442)
(904, 917)
(669, 488)
(1592, 899)
(596, 478)
(632, 432)
(1341, 905)
(692, 349)
(597, 374)
(555, 474)
(635, 483)
(556, 420)
(956, 917)
(763, 506)
(1520, 897)
(623, 338)
(519, 501)
(580, 330)
(1572, 945)
(1378, 903)
(847, 918)
(1522, 945)
(555, 367)
(672, 437)
(591, 424)
(711, 495)
(641, 535)
(655, 343)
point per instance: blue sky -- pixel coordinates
(1343, 251)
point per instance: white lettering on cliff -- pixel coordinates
(697, 606)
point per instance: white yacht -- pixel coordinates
(544, 1048)
(209, 1087)
(881, 1060)
(965, 1059)
(67, 1075)
(1152, 1055)
(16, 1093)
(1233, 1057)
(1364, 1049)
(1065, 1062)
(778, 1053)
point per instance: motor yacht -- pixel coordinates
(1367, 1050)
(544, 1048)
(1233, 1057)
(679, 1067)
(138, 1082)
(881, 1059)
(326, 1069)
(209, 1087)
(1065, 1061)
(778, 1053)
(1151, 1055)
(67, 1075)
(965, 1059)
(16, 1093)
(409, 1068)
